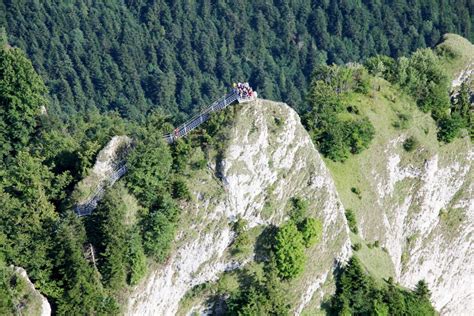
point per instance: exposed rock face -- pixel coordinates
(269, 159)
(427, 211)
(108, 168)
(43, 308)
(419, 206)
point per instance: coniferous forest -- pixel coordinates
(73, 74)
(135, 55)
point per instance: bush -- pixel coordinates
(289, 251)
(375, 244)
(242, 240)
(360, 133)
(357, 246)
(299, 207)
(403, 121)
(410, 144)
(180, 190)
(357, 192)
(351, 221)
(448, 128)
(311, 231)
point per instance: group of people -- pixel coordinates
(243, 89)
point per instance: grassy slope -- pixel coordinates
(382, 105)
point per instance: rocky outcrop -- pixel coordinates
(418, 205)
(108, 168)
(268, 160)
(427, 211)
(37, 304)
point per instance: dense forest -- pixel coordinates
(75, 73)
(41, 161)
(133, 56)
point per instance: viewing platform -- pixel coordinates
(241, 93)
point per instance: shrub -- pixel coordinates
(242, 240)
(357, 192)
(410, 144)
(199, 164)
(289, 251)
(299, 207)
(360, 133)
(311, 231)
(448, 128)
(351, 221)
(375, 244)
(403, 121)
(357, 246)
(180, 190)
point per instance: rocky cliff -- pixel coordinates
(417, 205)
(268, 160)
(420, 208)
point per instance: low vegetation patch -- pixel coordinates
(357, 192)
(242, 242)
(410, 144)
(351, 221)
(423, 78)
(403, 121)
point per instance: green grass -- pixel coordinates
(452, 219)
(382, 112)
(228, 282)
(384, 105)
(383, 108)
(461, 48)
(377, 261)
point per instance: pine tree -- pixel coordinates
(422, 290)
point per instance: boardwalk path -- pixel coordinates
(86, 207)
(204, 115)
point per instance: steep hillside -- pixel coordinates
(417, 204)
(413, 205)
(268, 160)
